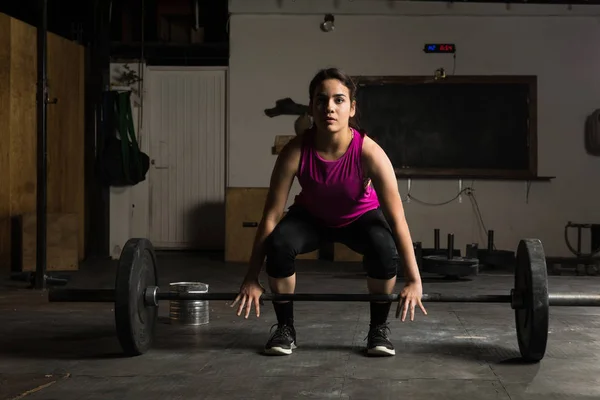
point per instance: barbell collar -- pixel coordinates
(150, 298)
(516, 301)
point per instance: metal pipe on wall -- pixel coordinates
(42, 117)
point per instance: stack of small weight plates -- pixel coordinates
(189, 312)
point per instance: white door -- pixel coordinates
(187, 157)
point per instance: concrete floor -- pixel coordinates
(459, 351)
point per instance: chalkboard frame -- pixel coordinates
(530, 173)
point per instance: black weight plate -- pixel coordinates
(444, 260)
(135, 322)
(531, 280)
(439, 252)
(455, 267)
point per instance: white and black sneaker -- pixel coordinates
(378, 343)
(282, 341)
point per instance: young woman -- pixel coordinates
(349, 195)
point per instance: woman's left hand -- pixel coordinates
(410, 297)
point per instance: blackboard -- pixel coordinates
(450, 126)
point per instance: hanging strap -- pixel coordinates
(129, 146)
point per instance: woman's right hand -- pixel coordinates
(250, 293)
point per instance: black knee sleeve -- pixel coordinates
(381, 258)
(377, 269)
(281, 255)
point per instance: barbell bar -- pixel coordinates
(152, 295)
(136, 296)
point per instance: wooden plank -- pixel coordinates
(4, 142)
(280, 142)
(62, 242)
(244, 209)
(23, 125)
(18, 128)
(66, 131)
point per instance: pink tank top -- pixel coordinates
(335, 192)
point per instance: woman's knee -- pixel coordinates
(280, 254)
(381, 258)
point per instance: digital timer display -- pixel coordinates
(439, 48)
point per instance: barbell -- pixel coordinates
(136, 296)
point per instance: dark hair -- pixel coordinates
(345, 79)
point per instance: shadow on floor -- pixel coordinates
(83, 344)
(490, 353)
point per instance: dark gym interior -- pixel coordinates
(488, 111)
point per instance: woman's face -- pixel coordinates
(332, 106)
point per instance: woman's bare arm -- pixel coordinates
(282, 178)
(381, 172)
